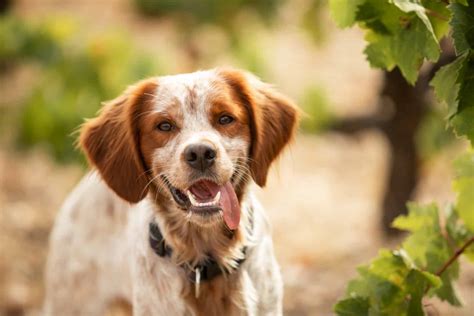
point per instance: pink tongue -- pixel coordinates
(230, 206)
(205, 190)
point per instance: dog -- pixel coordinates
(166, 221)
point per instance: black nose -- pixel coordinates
(200, 156)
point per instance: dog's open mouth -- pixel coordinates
(206, 197)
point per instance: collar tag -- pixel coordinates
(197, 283)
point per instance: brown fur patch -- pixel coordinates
(218, 297)
(273, 120)
(111, 142)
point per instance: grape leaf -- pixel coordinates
(416, 281)
(458, 232)
(446, 84)
(390, 26)
(464, 186)
(390, 285)
(462, 24)
(344, 11)
(454, 85)
(447, 292)
(463, 2)
(439, 16)
(425, 245)
(462, 121)
(353, 306)
(465, 202)
(413, 6)
(428, 248)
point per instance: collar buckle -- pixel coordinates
(197, 281)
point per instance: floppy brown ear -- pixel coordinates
(273, 120)
(111, 142)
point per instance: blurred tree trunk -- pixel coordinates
(409, 108)
(5, 5)
(406, 106)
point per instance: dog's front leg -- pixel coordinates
(157, 288)
(266, 277)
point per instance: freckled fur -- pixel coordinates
(99, 250)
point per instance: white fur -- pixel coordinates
(100, 252)
(99, 248)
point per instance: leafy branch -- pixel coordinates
(406, 34)
(455, 256)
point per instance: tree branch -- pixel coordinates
(455, 256)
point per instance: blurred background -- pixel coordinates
(368, 143)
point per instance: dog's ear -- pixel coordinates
(111, 142)
(273, 119)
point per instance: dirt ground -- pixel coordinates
(322, 200)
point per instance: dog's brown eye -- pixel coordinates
(165, 126)
(225, 119)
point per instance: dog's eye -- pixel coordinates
(165, 126)
(225, 119)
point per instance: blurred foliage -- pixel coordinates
(208, 11)
(316, 106)
(239, 21)
(314, 21)
(433, 134)
(74, 74)
(426, 264)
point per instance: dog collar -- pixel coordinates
(204, 271)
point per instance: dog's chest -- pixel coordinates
(220, 296)
(170, 286)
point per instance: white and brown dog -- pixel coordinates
(167, 222)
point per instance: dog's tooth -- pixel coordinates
(192, 198)
(216, 198)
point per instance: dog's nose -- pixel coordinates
(200, 156)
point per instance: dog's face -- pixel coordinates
(194, 140)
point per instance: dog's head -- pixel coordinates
(195, 139)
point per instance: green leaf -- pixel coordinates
(457, 231)
(447, 292)
(413, 6)
(464, 165)
(462, 121)
(418, 217)
(353, 306)
(463, 2)
(439, 17)
(462, 24)
(359, 286)
(433, 280)
(409, 58)
(390, 25)
(454, 85)
(344, 11)
(464, 186)
(465, 202)
(428, 248)
(426, 239)
(416, 282)
(446, 85)
(390, 285)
